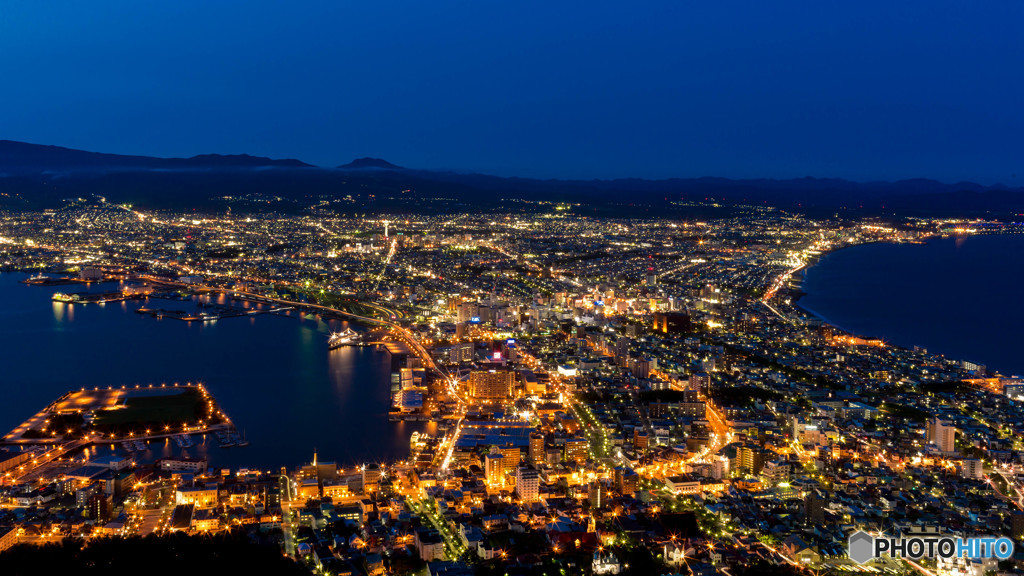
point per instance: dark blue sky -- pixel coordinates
(860, 90)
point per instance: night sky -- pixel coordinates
(859, 90)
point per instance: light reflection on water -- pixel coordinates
(272, 374)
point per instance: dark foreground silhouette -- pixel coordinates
(220, 554)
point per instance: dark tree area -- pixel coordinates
(173, 554)
(763, 568)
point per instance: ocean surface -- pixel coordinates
(271, 374)
(960, 297)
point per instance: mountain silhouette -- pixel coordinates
(37, 176)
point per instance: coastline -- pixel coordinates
(950, 353)
(228, 357)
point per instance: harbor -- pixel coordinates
(123, 414)
(282, 405)
(125, 419)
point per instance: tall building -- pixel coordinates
(527, 483)
(749, 459)
(494, 469)
(942, 434)
(461, 353)
(972, 468)
(641, 440)
(371, 477)
(536, 453)
(671, 322)
(491, 385)
(625, 480)
(814, 509)
(100, 506)
(595, 493)
(641, 367)
(720, 468)
(512, 455)
(577, 449)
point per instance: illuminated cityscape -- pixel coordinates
(449, 288)
(606, 395)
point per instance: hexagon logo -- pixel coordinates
(861, 547)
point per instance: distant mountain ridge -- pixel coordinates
(40, 175)
(22, 157)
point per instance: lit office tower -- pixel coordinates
(536, 448)
(941, 433)
(491, 385)
(494, 468)
(527, 483)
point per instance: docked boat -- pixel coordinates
(66, 298)
(339, 339)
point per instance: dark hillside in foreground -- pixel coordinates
(172, 554)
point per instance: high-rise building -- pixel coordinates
(720, 467)
(527, 483)
(942, 434)
(625, 480)
(371, 477)
(100, 506)
(536, 450)
(494, 469)
(972, 468)
(641, 440)
(461, 353)
(641, 367)
(512, 455)
(595, 493)
(814, 509)
(577, 449)
(749, 459)
(491, 384)
(671, 322)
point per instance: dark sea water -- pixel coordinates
(272, 375)
(963, 298)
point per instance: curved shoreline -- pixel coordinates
(869, 334)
